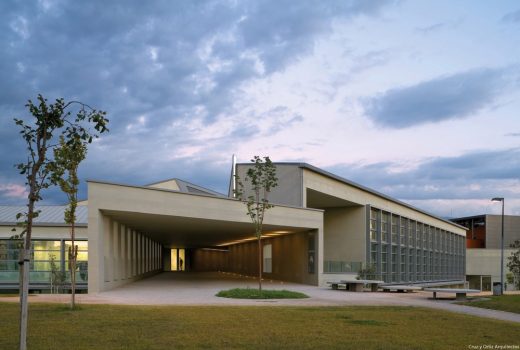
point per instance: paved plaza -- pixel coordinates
(182, 288)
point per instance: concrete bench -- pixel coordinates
(336, 284)
(356, 285)
(460, 293)
(400, 288)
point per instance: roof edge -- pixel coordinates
(363, 188)
(190, 194)
(374, 192)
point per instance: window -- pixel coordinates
(384, 227)
(373, 224)
(403, 263)
(426, 232)
(419, 232)
(43, 252)
(384, 259)
(373, 254)
(418, 264)
(411, 233)
(411, 264)
(268, 258)
(81, 260)
(394, 259)
(394, 229)
(403, 231)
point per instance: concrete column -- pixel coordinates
(128, 251)
(156, 256)
(136, 251)
(139, 253)
(116, 244)
(143, 257)
(98, 227)
(159, 248)
(129, 255)
(154, 247)
(132, 253)
(161, 257)
(320, 250)
(148, 244)
(107, 248)
(122, 256)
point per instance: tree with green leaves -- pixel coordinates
(70, 120)
(67, 158)
(513, 262)
(260, 179)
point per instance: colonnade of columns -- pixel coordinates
(128, 254)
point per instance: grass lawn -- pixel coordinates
(251, 293)
(54, 326)
(509, 303)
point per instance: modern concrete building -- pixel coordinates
(483, 244)
(322, 227)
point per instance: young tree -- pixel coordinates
(261, 179)
(48, 121)
(513, 262)
(67, 158)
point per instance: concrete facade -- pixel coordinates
(321, 228)
(347, 235)
(484, 248)
(161, 218)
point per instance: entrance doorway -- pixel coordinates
(178, 259)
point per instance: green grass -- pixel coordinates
(250, 293)
(509, 303)
(53, 326)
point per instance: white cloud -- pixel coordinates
(11, 190)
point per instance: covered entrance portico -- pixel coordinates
(132, 231)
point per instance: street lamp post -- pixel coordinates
(501, 199)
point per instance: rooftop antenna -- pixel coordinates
(232, 181)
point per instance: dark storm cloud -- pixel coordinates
(474, 175)
(512, 17)
(452, 97)
(161, 60)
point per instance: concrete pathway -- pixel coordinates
(200, 288)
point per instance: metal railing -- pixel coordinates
(330, 266)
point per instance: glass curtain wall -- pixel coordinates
(43, 254)
(404, 250)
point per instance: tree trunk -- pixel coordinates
(73, 252)
(24, 294)
(259, 264)
(24, 276)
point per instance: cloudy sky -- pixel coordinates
(417, 99)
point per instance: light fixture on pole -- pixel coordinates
(501, 199)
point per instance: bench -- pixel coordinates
(356, 285)
(400, 288)
(460, 293)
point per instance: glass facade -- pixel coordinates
(404, 250)
(42, 254)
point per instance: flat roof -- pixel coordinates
(225, 198)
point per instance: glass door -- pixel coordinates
(178, 259)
